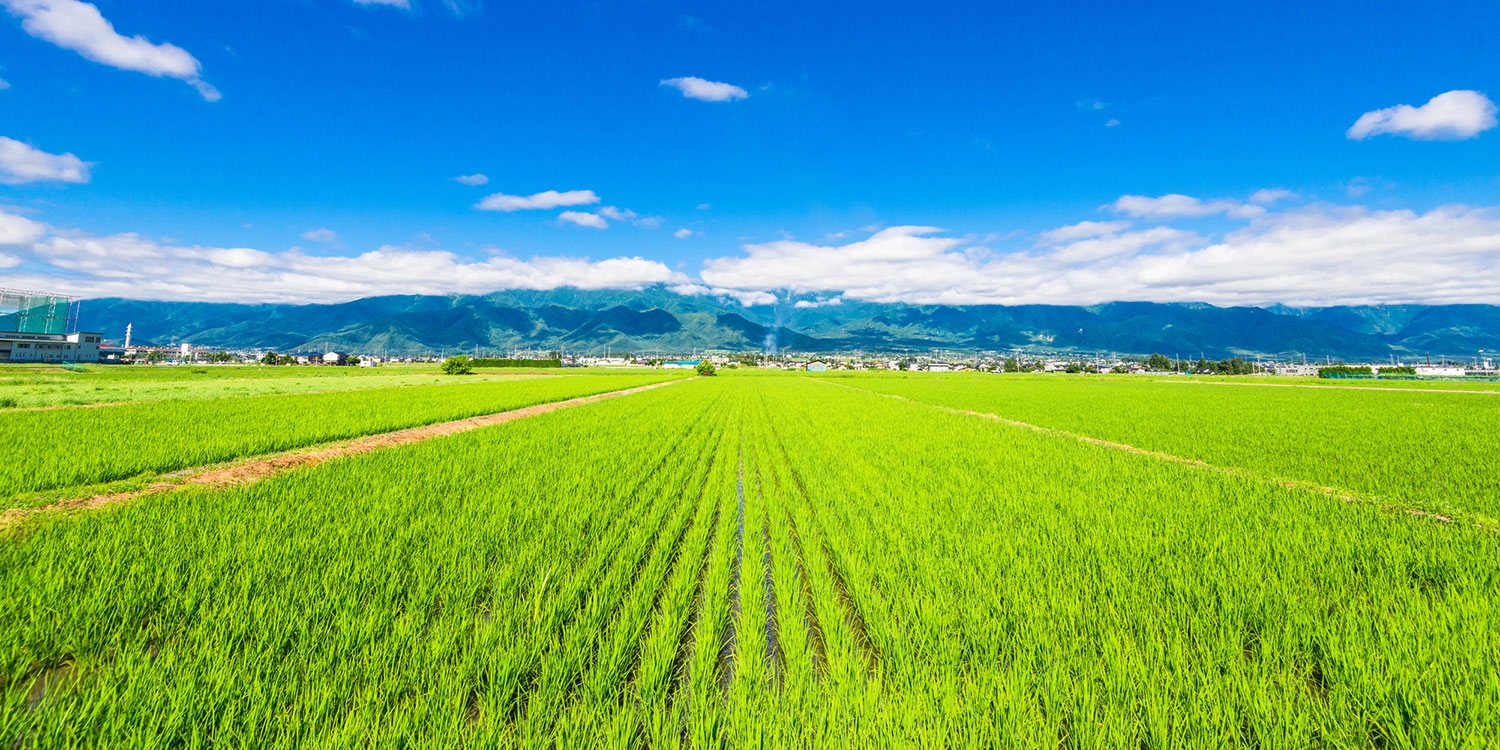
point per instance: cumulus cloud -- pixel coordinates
(133, 266)
(21, 163)
(4, 84)
(1309, 256)
(1265, 195)
(704, 90)
(79, 26)
(748, 298)
(617, 214)
(1178, 206)
(321, 234)
(583, 219)
(683, 233)
(1113, 122)
(1081, 230)
(649, 222)
(807, 304)
(544, 200)
(19, 230)
(1455, 115)
(472, 180)
(402, 4)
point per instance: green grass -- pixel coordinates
(1434, 451)
(34, 386)
(62, 448)
(751, 562)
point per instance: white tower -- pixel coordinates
(127, 335)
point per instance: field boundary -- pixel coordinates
(1394, 389)
(251, 469)
(104, 404)
(1294, 484)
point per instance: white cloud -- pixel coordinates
(1266, 195)
(746, 298)
(472, 180)
(807, 304)
(544, 200)
(1113, 122)
(617, 214)
(649, 222)
(707, 91)
(705, 206)
(402, 4)
(1176, 205)
(1081, 230)
(683, 233)
(21, 163)
(4, 84)
(583, 219)
(129, 265)
(19, 230)
(1307, 256)
(1455, 115)
(321, 234)
(79, 26)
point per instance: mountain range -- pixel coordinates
(659, 320)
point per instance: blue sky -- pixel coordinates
(307, 150)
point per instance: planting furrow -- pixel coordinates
(731, 624)
(553, 615)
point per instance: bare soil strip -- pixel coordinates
(247, 471)
(1295, 484)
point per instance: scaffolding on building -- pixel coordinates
(33, 312)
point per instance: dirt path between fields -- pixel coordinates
(1295, 484)
(254, 469)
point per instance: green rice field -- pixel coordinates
(764, 560)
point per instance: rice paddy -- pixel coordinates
(777, 561)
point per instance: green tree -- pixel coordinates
(1011, 365)
(1158, 363)
(269, 358)
(705, 368)
(459, 364)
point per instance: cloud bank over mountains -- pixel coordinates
(1170, 248)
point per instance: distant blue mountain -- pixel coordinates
(658, 320)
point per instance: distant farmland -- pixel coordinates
(752, 560)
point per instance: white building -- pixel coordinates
(1440, 371)
(49, 347)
